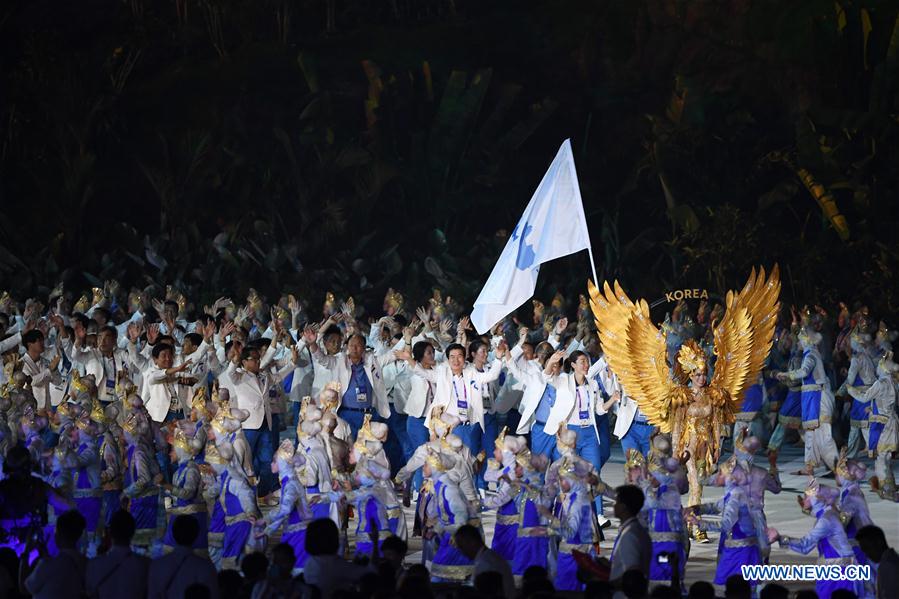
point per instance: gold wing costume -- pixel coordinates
(635, 350)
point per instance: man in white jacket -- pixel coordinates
(457, 387)
(359, 373)
(253, 389)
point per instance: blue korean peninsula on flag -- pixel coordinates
(553, 225)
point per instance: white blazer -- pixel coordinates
(340, 365)
(157, 394)
(41, 378)
(92, 361)
(441, 376)
(417, 400)
(255, 393)
(565, 398)
(531, 374)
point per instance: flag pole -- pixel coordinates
(592, 264)
(583, 214)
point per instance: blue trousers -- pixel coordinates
(276, 431)
(417, 434)
(397, 441)
(541, 442)
(294, 414)
(605, 439)
(260, 441)
(637, 437)
(471, 436)
(354, 419)
(491, 432)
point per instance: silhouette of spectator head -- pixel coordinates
(69, 528)
(469, 541)
(121, 528)
(322, 537)
(185, 530)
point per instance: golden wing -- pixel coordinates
(744, 336)
(635, 351)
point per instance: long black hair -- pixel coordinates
(572, 358)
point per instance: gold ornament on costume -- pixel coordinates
(812, 488)
(636, 352)
(81, 305)
(634, 459)
(435, 462)
(558, 301)
(438, 309)
(523, 458)
(254, 301)
(97, 414)
(842, 467)
(181, 441)
(285, 451)
(691, 358)
(78, 385)
(135, 300)
(394, 299)
(223, 412)
(55, 292)
(131, 424)
(330, 303)
(568, 467)
(212, 455)
(198, 402)
(501, 438)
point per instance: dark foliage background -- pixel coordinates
(303, 145)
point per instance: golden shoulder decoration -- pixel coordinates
(635, 348)
(81, 305)
(97, 414)
(198, 402)
(180, 440)
(285, 451)
(330, 301)
(842, 467)
(394, 299)
(634, 459)
(254, 302)
(501, 438)
(78, 385)
(558, 301)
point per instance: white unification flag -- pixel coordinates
(553, 225)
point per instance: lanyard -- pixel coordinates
(114, 368)
(456, 391)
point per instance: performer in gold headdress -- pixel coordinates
(681, 401)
